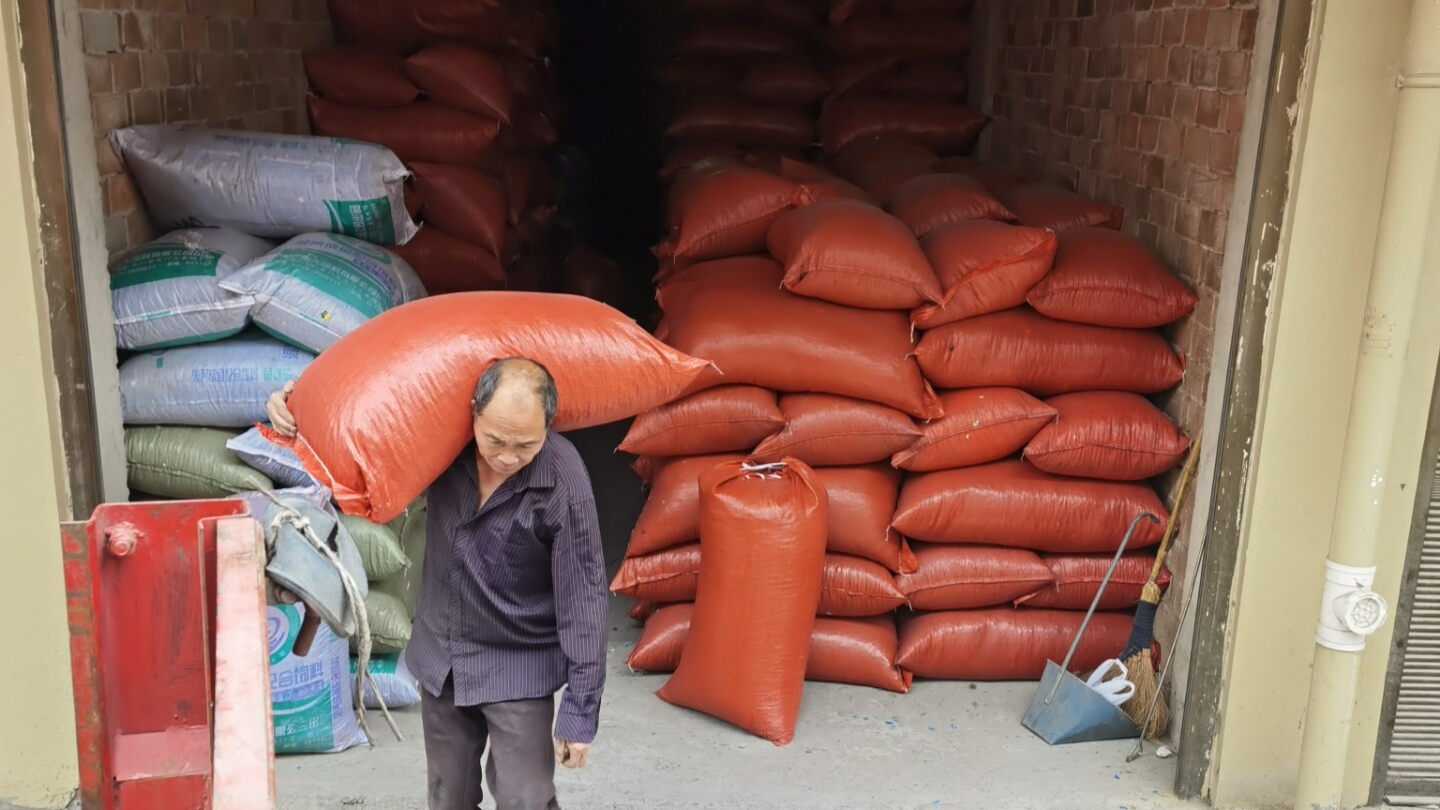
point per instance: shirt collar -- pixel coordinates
(538, 474)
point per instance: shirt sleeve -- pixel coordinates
(581, 613)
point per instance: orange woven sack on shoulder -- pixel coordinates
(1010, 503)
(963, 577)
(983, 267)
(1108, 278)
(463, 202)
(1005, 644)
(422, 131)
(386, 409)
(852, 253)
(731, 418)
(980, 425)
(1020, 348)
(464, 78)
(360, 76)
(1110, 435)
(745, 657)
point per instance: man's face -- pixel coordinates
(511, 430)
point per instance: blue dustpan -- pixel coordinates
(1065, 709)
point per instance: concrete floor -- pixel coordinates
(943, 745)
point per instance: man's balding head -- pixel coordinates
(513, 407)
(516, 377)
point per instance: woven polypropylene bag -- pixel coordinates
(980, 425)
(1107, 434)
(962, 577)
(763, 535)
(1005, 644)
(384, 411)
(1108, 278)
(731, 418)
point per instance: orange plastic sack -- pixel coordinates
(944, 38)
(419, 132)
(927, 80)
(784, 342)
(882, 179)
(956, 577)
(853, 587)
(1004, 644)
(690, 75)
(1021, 349)
(685, 155)
(1044, 205)
(376, 24)
(862, 153)
(744, 123)
(463, 202)
(831, 431)
(668, 576)
(745, 657)
(983, 266)
(852, 253)
(999, 180)
(464, 78)
(1010, 503)
(446, 264)
(980, 425)
(785, 81)
(728, 213)
(932, 202)
(671, 515)
(730, 418)
(862, 502)
(1107, 434)
(1107, 278)
(853, 651)
(1078, 577)
(820, 183)
(532, 132)
(386, 409)
(586, 272)
(359, 76)
(937, 125)
(737, 41)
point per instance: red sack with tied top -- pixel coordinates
(749, 642)
(386, 409)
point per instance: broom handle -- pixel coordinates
(1190, 464)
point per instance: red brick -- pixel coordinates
(125, 70)
(111, 111)
(1154, 171)
(139, 228)
(1197, 146)
(1224, 151)
(120, 194)
(1109, 126)
(1234, 113)
(168, 29)
(177, 105)
(147, 107)
(1180, 60)
(1157, 64)
(181, 67)
(1249, 19)
(1130, 131)
(195, 34)
(137, 31)
(1187, 102)
(98, 75)
(105, 157)
(1223, 29)
(282, 10)
(219, 35)
(1210, 110)
(154, 70)
(1162, 209)
(1172, 27)
(1197, 23)
(211, 9)
(1149, 133)
(1162, 101)
(1172, 138)
(1147, 29)
(1233, 73)
(1206, 70)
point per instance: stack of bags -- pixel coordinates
(213, 317)
(945, 342)
(463, 94)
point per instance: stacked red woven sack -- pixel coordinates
(463, 94)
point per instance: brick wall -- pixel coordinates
(223, 63)
(1140, 103)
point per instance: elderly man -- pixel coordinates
(512, 602)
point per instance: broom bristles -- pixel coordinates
(1142, 674)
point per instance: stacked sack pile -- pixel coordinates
(961, 355)
(464, 95)
(237, 299)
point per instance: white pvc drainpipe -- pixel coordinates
(1350, 611)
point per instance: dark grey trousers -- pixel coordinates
(521, 768)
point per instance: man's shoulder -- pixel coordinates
(566, 465)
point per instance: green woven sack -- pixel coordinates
(389, 624)
(379, 547)
(187, 462)
(410, 528)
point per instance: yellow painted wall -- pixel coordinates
(37, 739)
(1344, 127)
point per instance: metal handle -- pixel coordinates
(1095, 603)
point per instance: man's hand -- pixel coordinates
(280, 417)
(571, 754)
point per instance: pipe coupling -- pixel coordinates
(1349, 609)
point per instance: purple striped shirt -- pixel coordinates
(513, 596)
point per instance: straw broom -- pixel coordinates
(1136, 654)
